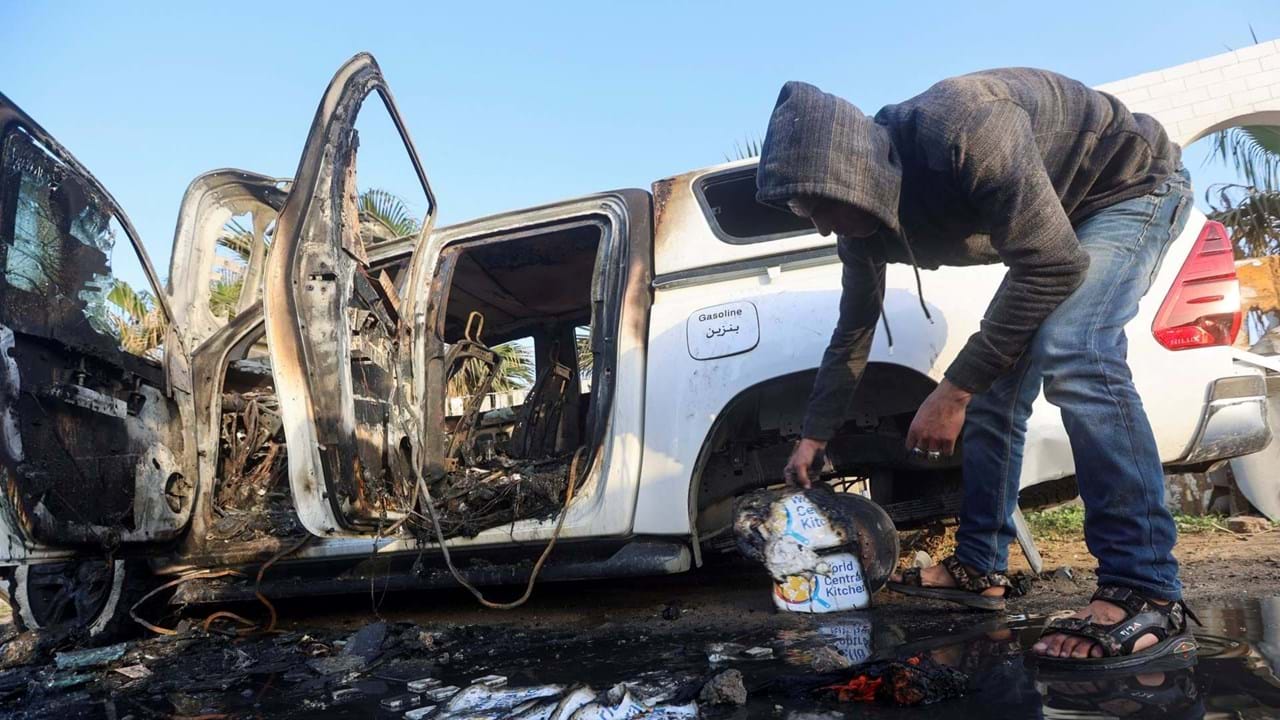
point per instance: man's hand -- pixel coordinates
(797, 470)
(939, 420)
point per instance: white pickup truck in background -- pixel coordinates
(288, 425)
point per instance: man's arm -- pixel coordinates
(862, 291)
(999, 167)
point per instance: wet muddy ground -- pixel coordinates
(666, 638)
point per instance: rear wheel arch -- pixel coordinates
(747, 445)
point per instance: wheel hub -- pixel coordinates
(72, 592)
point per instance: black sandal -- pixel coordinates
(1176, 646)
(968, 590)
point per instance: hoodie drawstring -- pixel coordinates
(919, 285)
(881, 290)
(884, 317)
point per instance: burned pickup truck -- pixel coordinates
(329, 392)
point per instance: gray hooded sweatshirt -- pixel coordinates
(997, 166)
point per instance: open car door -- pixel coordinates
(338, 342)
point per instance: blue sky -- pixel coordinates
(517, 104)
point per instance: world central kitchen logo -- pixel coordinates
(807, 517)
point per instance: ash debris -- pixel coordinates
(252, 498)
(495, 492)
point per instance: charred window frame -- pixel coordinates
(611, 266)
(27, 153)
(728, 199)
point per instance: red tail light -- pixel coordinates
(1202, 308)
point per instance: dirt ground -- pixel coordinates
(1216, 566)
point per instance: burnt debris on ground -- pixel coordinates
(959, 664)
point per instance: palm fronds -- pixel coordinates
(1254, 152)
(747, 148)
(1250, 209)
(388, 210)
(515, 371)
(224, 297)
(139, 322)
(237, 238)
(1251, 216)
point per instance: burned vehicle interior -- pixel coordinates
(517, 308)
(515, 332)
(519, 356)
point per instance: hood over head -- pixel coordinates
(820, 145)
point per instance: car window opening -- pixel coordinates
(518, 324)
(70, 271)
(728, 200)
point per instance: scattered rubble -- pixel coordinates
(134, 672)
(423, 684)
(493, 681)
(92, 657)
(33, 646)
(478, 698)
(723, 652)
(726, 688)
(366, 643)
(336, 664)
(671, 611)
(441, 693)
(821, 659)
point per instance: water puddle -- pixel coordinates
(637, 669)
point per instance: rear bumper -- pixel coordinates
(1235, 421)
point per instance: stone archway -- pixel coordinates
(1197, 98)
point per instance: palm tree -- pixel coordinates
(515, 371)
(389, 214)
(582, 345)
(237, 238)
(139, 323)
(224, 297)
(1250, 209)
(748, 148)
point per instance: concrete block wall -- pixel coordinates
(1196, 98)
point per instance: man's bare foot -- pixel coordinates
(937, 576)
(1099, 612)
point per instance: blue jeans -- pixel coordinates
(1079, 356)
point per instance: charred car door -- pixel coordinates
(220, 249)
(91, 429)
(338, 342)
